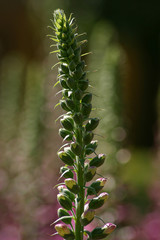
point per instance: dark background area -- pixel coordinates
(123, 37)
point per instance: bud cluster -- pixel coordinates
(77, 130)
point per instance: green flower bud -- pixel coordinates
(77, 74)
(86, 109)
(64, 231)
(100, 233)
(67, 122)
(87, 98)
(98, 160)
(92, 124)
(65, 134)
(98, 202)
(66, 158)
(70, 104)
(70, 53)
(64, 201)
(88, 137)
(64, 105)
(87, 216)
(78, 94)
(69, 152)
(68, 172)
(78, 118)
(61, 213)
(83, 84)
(71, 83)
(96, 186)
(64, 68)
(63, 83)
(65, 191)
(77, 54)
(76, 148)
(72, 185)
(91, 171)
(72, 65)
(63, 53)
(90, 148)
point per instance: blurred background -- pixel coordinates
(123, 37)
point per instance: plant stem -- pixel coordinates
(80, 202)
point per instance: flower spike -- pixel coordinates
(77, 129)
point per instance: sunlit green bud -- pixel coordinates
(64, 45)
(66, 158)
(72, 66)
(98, 202)
(86, 109)
(83, 84)
(100, 233)
(88, 137)
(91, 147)
(78, 118)
(58, 34)
(64, 201)
(65, 134)
(70, 103)
(91, 171)
(64, 68)
(61, 213)
(63, 84)
(68, 151)
(87, 217)
(65, 191)
(71, 83)
(98, 160)
(64, 105)
(96, 186)
(78, 73)
(70, 53)
(78, 94)
(72, 185)
(92, 124)
(87, 98)
(68, 172)
(76, 148)
(64, 231)
(67, 122)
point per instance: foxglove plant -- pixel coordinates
(78, 200)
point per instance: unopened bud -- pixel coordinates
(76, 148)
(64, 201)
(87, 216)
(66, 158)
(63, 105)
(70, 104)
(96, 186)
(72, 185)
(86, 109)
(65, 191)
(92, 124)
(87, 98)
(64, 231)
(88, 137)
(65, 134)
(98, 160)
(91, 171)
(78, 118)
(67, 172)
(91, 147)
(61, 213)
(100, 233)
(83, 84)
(67, 122)
(98, 202)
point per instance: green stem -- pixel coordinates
(80, 202)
